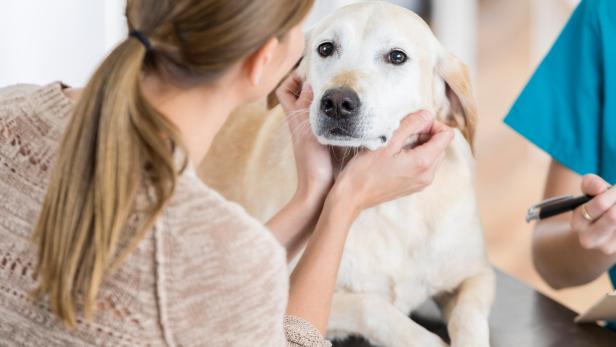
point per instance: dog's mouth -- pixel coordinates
(337, 136)
(340, 133)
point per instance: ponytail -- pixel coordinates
(114, 141)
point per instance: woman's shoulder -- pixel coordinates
(218, 263)
(32, 121)
(221, 273)
(201, 214)
(50, 96)
(45, 106)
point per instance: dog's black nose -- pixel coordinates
(340, 103)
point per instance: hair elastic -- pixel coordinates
(142, 38)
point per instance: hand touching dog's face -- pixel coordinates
(370, 65)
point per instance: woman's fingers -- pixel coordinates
(578, 220)
(289, 91)
(295, 96)
(604, 199)
(435, 147)
(609, 247)
(602, 202)
(594, 185)
(305, 97)
(600, 234)
(416, 123)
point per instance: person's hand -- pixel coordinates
(312, 159)
(595, 221)
(374, 177)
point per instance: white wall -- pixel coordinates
(48, 40)
(43, 41)
(455, 24)
(548, 17)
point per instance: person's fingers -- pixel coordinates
(439, 127)
(599, 233)
(578, 221)
(594, 185)
(427, 153)
(605, 200)
(289, 90)
(305, 97)
(298, 112)
(415, 123)
(609, 247)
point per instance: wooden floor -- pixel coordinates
(511, 172)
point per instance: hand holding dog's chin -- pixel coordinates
(315, 174)
(375, 177)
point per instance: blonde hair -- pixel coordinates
(116, 139)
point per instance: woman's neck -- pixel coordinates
(198, 112)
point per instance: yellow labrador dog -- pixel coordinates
(370, 64)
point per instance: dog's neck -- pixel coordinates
(341, 156)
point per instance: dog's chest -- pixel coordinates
(408, 250)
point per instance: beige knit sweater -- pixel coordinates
(206, 275)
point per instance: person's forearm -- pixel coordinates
(559, 257)
(293, 224)
(314, 279)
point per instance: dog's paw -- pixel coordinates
(478, 336)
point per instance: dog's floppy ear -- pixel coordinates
(456, 104)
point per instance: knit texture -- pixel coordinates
(208, 274)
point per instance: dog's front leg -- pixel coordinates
(378, 321)
(466, 310)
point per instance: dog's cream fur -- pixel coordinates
(401, 253)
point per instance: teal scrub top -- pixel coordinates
(568, 108)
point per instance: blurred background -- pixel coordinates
(501, 40)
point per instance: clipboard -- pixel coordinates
(604, 309)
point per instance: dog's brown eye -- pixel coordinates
(326, 49)
(397, 57)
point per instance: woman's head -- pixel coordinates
(197, 42)
(116, 140)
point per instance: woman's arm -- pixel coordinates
(293, 224)
(559, 254)
(369, 179)
(314, 278)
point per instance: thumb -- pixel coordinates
(594, 185)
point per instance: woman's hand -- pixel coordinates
(312, 159)
(374, 177)
(595, 221)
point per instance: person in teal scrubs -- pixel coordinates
(568, 109)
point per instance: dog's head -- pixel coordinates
(370, 65)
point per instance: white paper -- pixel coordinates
(604, 309)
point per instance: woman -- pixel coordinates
(131, 248)
(569, 109)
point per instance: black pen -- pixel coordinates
(555, 206)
